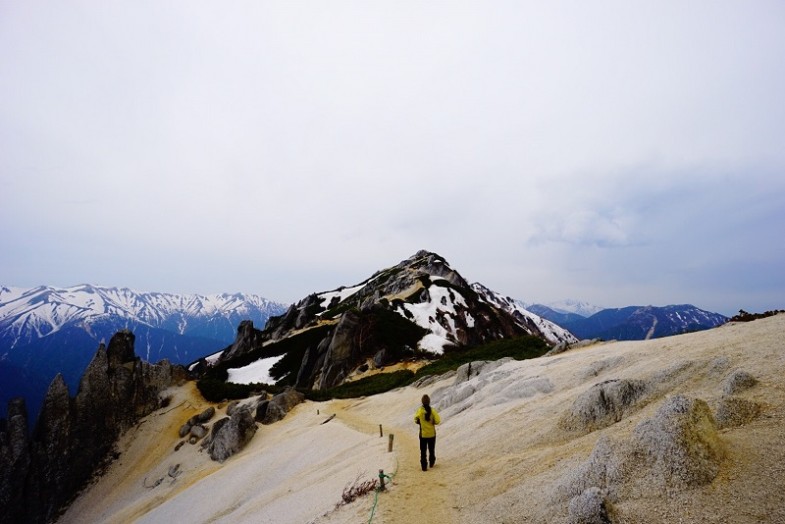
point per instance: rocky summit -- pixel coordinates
(420, 306)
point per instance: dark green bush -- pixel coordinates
(743, 316)
(364, 387)
(217, 390)
(519, 348)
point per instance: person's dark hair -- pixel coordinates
(426, 403)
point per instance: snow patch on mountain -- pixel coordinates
(255, 372)
(553, 333)
(578, 307)
(438, 316)
(341, 293)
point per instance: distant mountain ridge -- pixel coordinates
(28, 314)
(558, 317)
(578, 307)
(635, 322)
(47, 330)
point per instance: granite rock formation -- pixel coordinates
(74, 437)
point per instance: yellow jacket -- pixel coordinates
(427, 428)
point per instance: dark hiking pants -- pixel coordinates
(429, 445)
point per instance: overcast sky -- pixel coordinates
(621, 153)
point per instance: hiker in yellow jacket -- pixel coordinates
(427, 418)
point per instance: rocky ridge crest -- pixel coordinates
(420, 304)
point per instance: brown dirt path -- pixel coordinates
(415, 495)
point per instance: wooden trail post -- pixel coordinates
(380, 431)
(381, 480)
(390, 443)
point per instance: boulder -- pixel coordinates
(232, 434)
(279, 405)
(273, 414)
(205, 415)
(184, 429)
(604, 404)
(198, 431)
(681, 442)
(737, 382)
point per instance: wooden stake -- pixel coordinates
(390, 443)
(381, 434)
(381, 480)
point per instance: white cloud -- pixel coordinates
(298, 147)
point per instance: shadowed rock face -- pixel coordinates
(74, 437)
(14, 461)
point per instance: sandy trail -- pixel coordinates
(415, 495)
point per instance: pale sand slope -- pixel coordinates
(500, 451)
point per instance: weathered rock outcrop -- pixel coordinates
(194, 426)
(247, 337)
(230, 434)
(678, 448)
(275, 409)
(739, 380)
(74, 437)
(604, 404)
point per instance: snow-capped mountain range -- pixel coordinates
(578, 307)
(29, 314)
(48, 330)
(645, 322)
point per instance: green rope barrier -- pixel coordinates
(382, 476)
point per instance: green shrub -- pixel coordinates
(743, 316)
(519, 348)
(364, 387)
(217, 390)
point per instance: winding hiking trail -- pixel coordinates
(415, 495)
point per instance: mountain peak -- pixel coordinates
(579, 307)
(420, 304)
